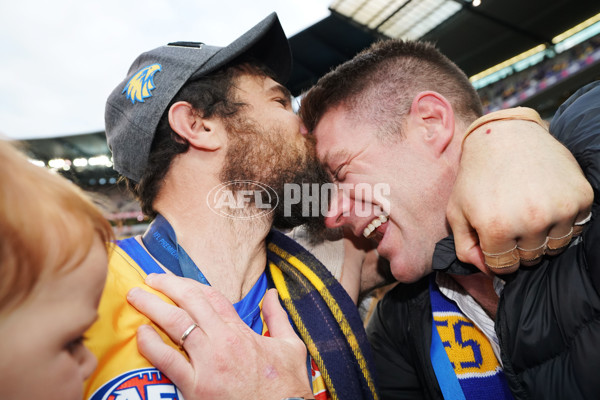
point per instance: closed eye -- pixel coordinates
(283, 101)
(336, 174)
(75, 344)
(280, 94)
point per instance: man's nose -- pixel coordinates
(339, 210)
(303, 128)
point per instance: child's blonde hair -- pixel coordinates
(47, 225)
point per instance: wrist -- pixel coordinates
(517, 113)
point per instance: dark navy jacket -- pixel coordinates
(548, 318)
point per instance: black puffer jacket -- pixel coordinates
(548, 319)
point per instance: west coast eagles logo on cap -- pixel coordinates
(139, 86)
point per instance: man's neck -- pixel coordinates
(230, 253)
(481, 288)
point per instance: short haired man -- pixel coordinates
(396, 113)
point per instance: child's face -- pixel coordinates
(41, 350)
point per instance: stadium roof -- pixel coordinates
(476, 38)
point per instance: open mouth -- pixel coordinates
(371, 231)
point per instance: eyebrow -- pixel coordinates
(333, 155)
(277, 88)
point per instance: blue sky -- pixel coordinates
(61, 58)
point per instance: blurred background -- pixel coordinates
(61, 59)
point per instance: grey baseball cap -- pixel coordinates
(136, 105)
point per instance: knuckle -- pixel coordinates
(213, 295)
(452, 213)
(461, 249)
(299, 347)
(177, 319)
(494, 229)
(480, 216)
(532, 219)
(570, 208)
(587, 199)
(538, 219)
(188, 295)
(165, 360)
(218, 301)
(233, 341)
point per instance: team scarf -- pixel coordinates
(323, 314)
(461, 355)
(325, 317)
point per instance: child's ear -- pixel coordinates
(200, 132)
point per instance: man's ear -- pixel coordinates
(198, 131)
(433, 115)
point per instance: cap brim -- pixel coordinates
(266, 42)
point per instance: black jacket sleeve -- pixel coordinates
(396, 375)
(577, 125)
(400, 335)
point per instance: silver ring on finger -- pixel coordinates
(186, 333)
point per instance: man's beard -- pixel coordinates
(267, 156)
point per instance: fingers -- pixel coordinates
(202, 302)
(556, 244)
(475, 256)
(466, 241)
(503, 262)
(500, 246)
(530, 247)
(560, 235)
(581, 222)
(532, 254)
(225, 360)
(172, 320)
(557, 238)
(490, 242)
(275, 317)
(164, 357)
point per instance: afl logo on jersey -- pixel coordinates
(141, 384)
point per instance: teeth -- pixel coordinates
(376, 223)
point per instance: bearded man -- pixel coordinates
(206, 138)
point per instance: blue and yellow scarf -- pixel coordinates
(461, 355)
(325, 317)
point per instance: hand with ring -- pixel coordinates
(225, 358)
(519, 195)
